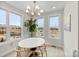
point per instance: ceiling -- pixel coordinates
(45, 5)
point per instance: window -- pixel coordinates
(2, 17)
(54, 27)
(40, 23)
(13, 23)
(14, 19)
(15, 26)
(2, 24)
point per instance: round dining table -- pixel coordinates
(32, 43)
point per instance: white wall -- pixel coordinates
(71, 38)
(51, 41)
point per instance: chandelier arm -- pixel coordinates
(35, 11)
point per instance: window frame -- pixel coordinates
(15, 14)
(43, 27)
(7, 22)
(58, 27)
(6, 14)
(14, 25)
(5, 25)
(53, 16)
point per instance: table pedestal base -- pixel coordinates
(34, 54)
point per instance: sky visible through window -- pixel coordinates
(40, 22)
(54, 22)
(2, 17)
(14, 19)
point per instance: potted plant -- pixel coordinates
(31, 26)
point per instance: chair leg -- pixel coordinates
(27, 52)
(18, 52)
(45, 49)
(41, 51)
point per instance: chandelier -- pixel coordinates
(35, 11)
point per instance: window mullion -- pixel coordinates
(7, 26)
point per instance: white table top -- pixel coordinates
(31, 42)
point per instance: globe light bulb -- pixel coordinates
(38, 13)
(32, 13)
(37, 7)
(27, 11)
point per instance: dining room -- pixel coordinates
(38, 28)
